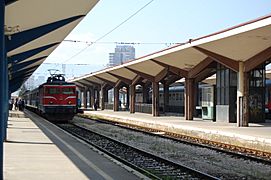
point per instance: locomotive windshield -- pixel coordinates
(68, 90)
(52, 90)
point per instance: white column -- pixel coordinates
(240, 93)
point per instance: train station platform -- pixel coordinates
(36, 149)
(257, 136)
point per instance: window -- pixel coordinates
(52, 91)
(68, 90)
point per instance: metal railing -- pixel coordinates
(144, 108)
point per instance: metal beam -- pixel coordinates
(161, 75)
(78, 85)
(16, 67)
(19, 80)
(123, 79)
(91, 82)
(200, 67)
(136, 79)
(84, 84)
(172, 80)
(117, 85)
(18, 39)
(21, 76)
(27, 54)
(111, 83)
(257, 60)
(144, 75)
(228, 62)
(205, 74)
(23, 71)
(173, 69)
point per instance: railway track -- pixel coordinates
(152, 166)
(242, 152)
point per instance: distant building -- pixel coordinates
(64, 69)
(40, 80)
(30, 83)
(122, 54)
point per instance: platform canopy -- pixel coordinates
(249, 42)
(34, 28)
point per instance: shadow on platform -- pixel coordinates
(20, 127)
(79, 163)
(24, 142)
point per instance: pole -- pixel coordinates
(2, 81)
(240, 94)
(6, 93)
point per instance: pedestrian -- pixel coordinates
(11, 101)
(95, 105)
(20, 105)
(16, 103)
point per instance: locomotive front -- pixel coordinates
(58, 99)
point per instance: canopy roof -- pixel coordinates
(249, 42)
(34, 28)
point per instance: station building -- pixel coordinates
(237, 56)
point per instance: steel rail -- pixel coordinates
(144, 162)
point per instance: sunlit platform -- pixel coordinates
(256, 136)
(35, 149)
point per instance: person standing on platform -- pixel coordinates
(16, 103)
(11, 102)
(95, 105)
(22, 104)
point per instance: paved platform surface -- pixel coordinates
(35, 149)
(256, 136)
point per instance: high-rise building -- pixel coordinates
(122, 54)
(40, 80)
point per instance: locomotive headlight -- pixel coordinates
(69, 102)
(51, 102)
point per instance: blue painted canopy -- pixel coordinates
(33, 29)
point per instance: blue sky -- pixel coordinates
(166, 21)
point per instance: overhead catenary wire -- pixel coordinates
(127, 19)
(123, 43)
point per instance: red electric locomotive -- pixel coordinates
(56, 99)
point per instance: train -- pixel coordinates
(56, 99)
(177, 99)
(204, 101)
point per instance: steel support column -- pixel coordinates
(103, 90)
(85, 98)
(116, 98)
(242, 97)
(92, 97)
(132, 98)
(166, 97)
(127, 97)
(145, 93)
(2, 81)
(189, 98)
(246, 101)
(81, 99)
(6, 94)
(106, 95)
(98, 98)
(155, 98)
